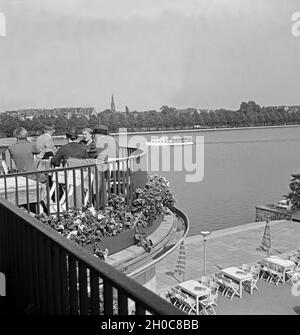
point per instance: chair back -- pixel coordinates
(4, 166)
(214, 287)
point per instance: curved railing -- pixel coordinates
(164, 248)
(82, 182)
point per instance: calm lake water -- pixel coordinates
(242, 169)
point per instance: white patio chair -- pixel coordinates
(189, 304)
(252, 284)
(232, 288)
(208, 304)
(275, 275)
(176, 297)
(4, 166)
(214, 287)
(205, 280)
(246, 267)
(219, 279)
(293, 278)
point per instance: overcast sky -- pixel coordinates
(182, 53)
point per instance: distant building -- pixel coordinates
(25, 114)
(112, 104)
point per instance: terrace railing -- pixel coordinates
(81, 183)
(48, 274)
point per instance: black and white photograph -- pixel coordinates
(149, 160)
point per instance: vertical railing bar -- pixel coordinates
(139, 309)
(83, 295)
(90, 190)
(73, 292)
(57, 194)
(122, 303)
(119, 177)
(56, 280)
(95, 301)
(74, 189)
(49, 276)
(67, 189)
(97, 187)
(37, 194)
(29, 250)
(27, 195)
(82, 187)
(127, 182)
(17, 191)
(108, 297)
(41, 284)
(48, 193)
(114, 178)
(5, 186)
(64, 282)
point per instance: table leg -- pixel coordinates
(197, 305)
(241, 288)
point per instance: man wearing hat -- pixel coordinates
(70, 150)
(103, 146)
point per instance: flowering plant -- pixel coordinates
(90, 226)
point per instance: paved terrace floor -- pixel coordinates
(227, 247)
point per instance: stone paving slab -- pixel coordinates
(226, 247)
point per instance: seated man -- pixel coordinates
(23, 153)
(45, 143)
(103, 146)
(72, 149)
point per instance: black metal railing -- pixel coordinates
(48, 274)
(83, 182)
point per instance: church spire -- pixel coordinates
(112, 105)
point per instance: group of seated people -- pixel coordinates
(26, 153)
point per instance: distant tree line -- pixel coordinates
(249, 114)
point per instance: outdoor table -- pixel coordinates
(195, 289)
(283, 264)
(239, 276)
(21, 195)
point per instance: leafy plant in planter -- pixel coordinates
(88, 226)
(153, 199)
(294, 194)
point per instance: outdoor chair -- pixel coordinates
(252, 284)
(205, 280)
(189, 304)
(214, 287)
(176, 297)
(264, 273)
(4, 168)
(208, 304)
(275, 275)
(232, 288)
(219, 279)
(246, 267)
(293, 278)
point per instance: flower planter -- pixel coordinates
(125, 239)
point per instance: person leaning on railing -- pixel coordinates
(103, 145)
(23, 153)
(45, 143)
(70, 150)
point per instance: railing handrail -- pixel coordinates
(170, 250)
(132, 156)
(134, 290)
